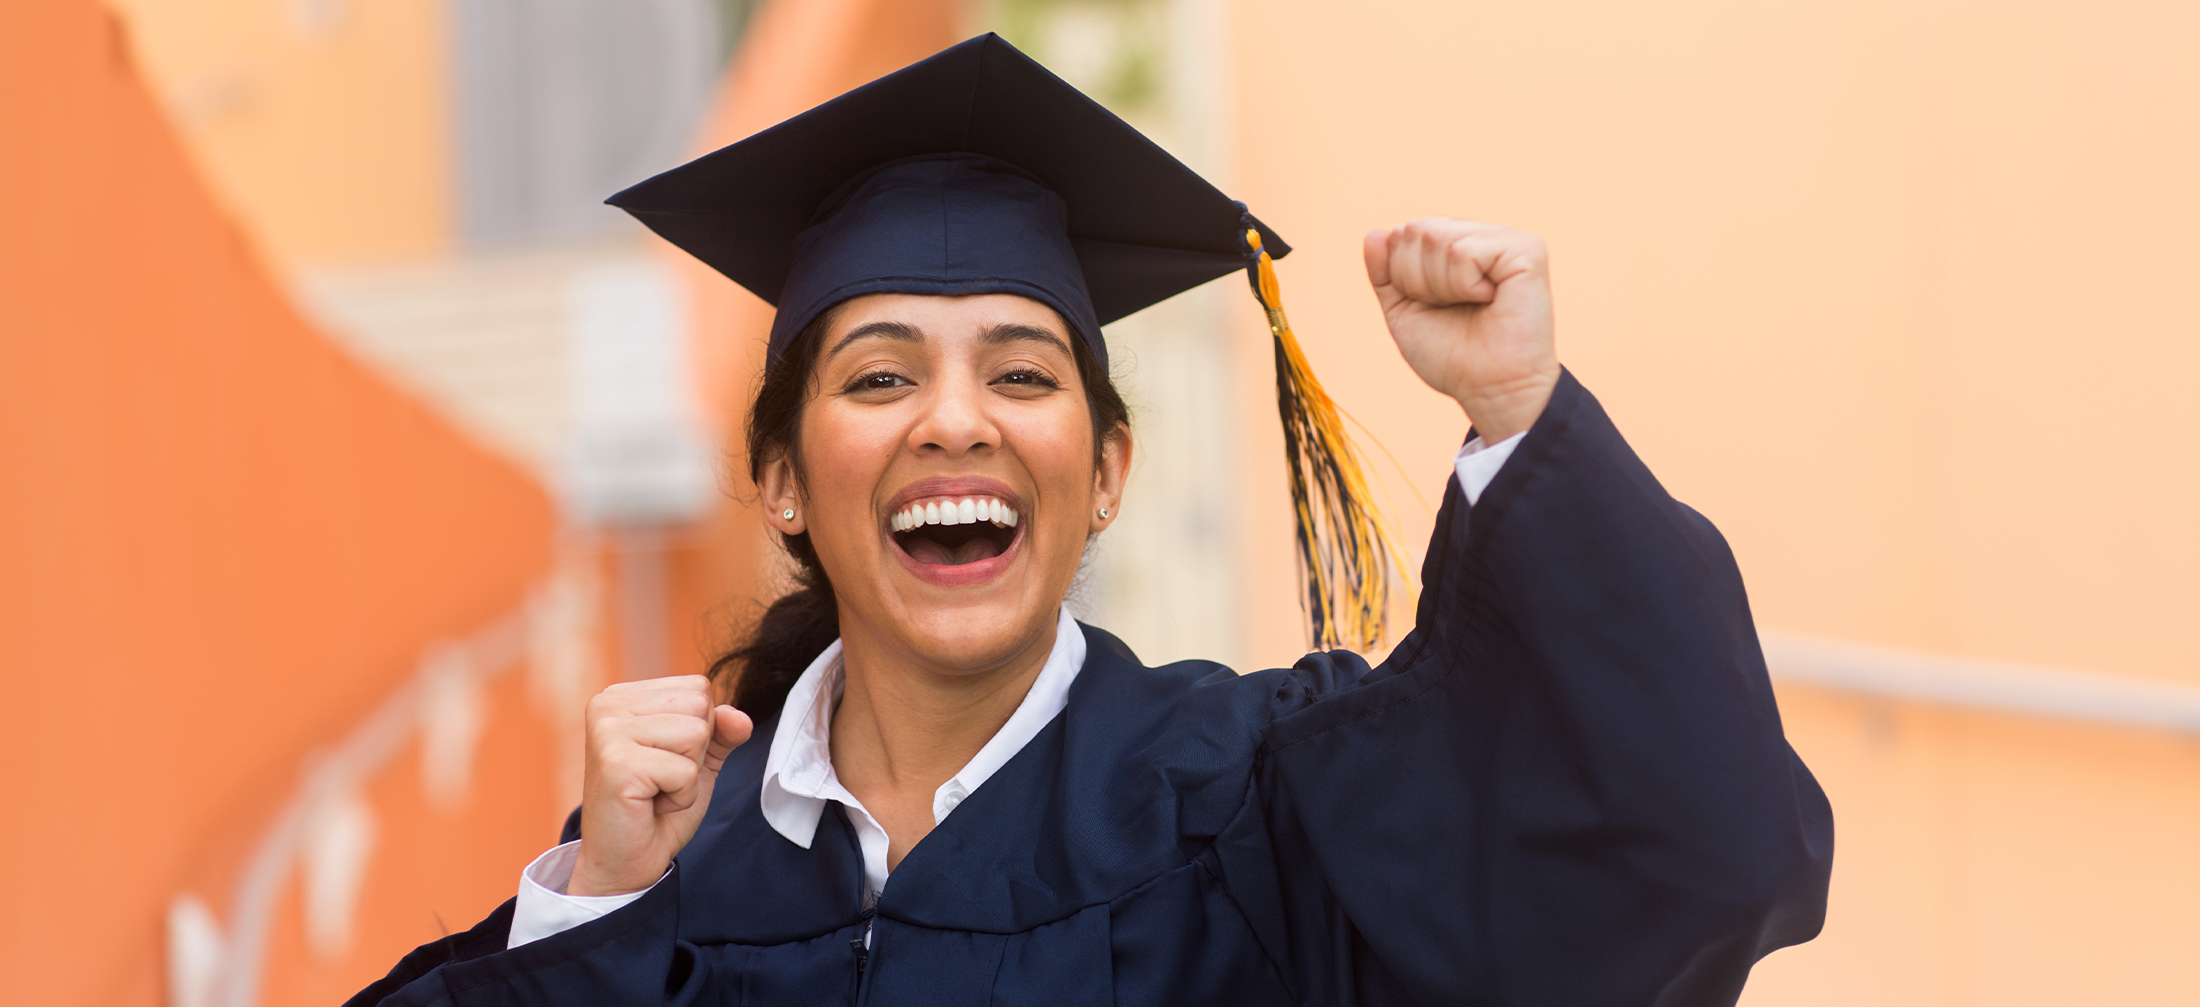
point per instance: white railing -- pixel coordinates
(326, 830)
(1983, 685)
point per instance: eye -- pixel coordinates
(1026, 377)
(877, 381)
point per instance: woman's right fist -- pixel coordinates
(654, 748)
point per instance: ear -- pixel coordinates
(1109, 479)
(780, 492)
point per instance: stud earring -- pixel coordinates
(1103, 513)
(787, 515)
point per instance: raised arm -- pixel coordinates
(1569, 784)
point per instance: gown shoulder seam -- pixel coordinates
(1425, 689)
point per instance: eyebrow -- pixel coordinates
(1010, 332)
(901, 332)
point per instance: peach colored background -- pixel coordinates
(1900, 296)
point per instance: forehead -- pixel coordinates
(947, 317)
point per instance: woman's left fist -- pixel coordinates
(1469, 305)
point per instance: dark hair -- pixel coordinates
(764, 663)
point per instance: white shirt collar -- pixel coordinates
(798, 773)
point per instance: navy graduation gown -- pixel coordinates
(1568, 785)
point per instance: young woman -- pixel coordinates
(1567, 785)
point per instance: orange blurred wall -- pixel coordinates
(323, 125)
(222, 543)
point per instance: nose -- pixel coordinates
(955, 422)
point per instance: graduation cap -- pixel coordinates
(977, 171)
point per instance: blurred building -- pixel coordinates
(1891, 294)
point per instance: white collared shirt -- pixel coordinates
(799, 776)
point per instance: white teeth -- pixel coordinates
(952, 512)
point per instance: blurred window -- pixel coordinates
(563, 102)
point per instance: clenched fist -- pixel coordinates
(1470, 307)
(654, 749)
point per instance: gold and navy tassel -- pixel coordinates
(1344, 553)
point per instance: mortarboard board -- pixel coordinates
(975, 171)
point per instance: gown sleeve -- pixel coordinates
(631, 957)
(1568, 785)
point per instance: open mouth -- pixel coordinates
(955, 531)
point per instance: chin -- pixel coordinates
(972, 650)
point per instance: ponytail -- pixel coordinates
(763, 666)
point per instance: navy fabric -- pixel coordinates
(1568, 785)
(1137, 224)
(948, 225)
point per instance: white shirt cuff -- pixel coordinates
(1477, 464)
(544, 909)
